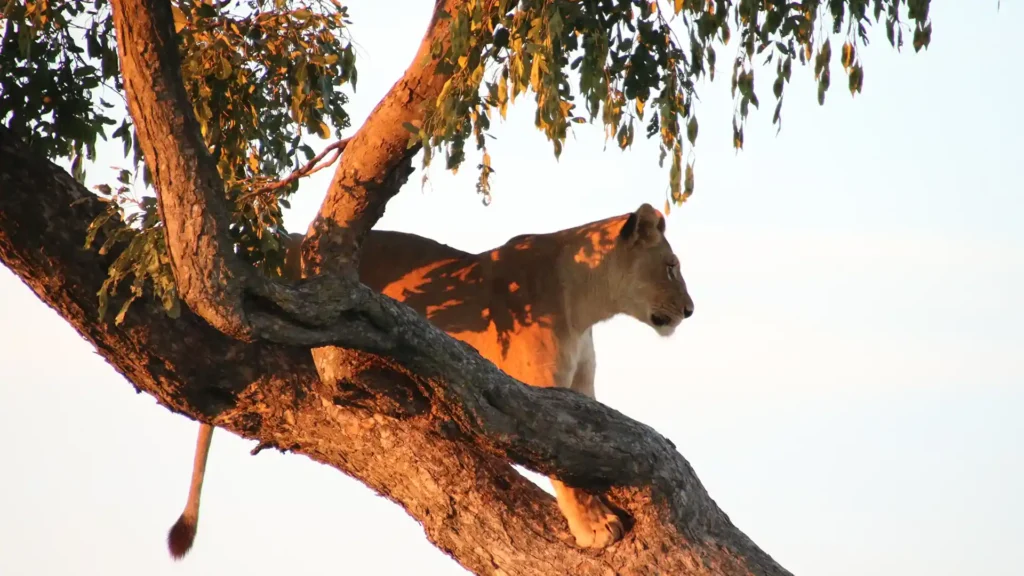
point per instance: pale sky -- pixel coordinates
(849, 389)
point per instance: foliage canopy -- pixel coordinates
(263, 74)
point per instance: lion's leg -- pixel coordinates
(591, 521)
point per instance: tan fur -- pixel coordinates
(529, 307)
(182, 534)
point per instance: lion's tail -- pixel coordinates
(183, 533)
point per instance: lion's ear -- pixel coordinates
(646, 226)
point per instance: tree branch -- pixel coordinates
(309, 168)
(210, 279)
(378, 160)
(430, 428)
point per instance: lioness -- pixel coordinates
(529, 307)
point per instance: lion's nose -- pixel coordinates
(688, 310)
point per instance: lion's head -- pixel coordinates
(653, 289)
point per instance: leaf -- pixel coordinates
(847, 59)
(180, 21)
(688, 182)
(124, 310)
(77, 170)
(691, 130)
(823, 84)
(922, 37)
(172, 305)
(206, 11)
(856, 79)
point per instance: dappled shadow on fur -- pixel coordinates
(500, 290)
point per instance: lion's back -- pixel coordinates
(387, 256)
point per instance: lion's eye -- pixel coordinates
(672, 271)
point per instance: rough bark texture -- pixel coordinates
(377, 161)
(196, 215)
(411, 412)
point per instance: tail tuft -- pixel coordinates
(181, 536)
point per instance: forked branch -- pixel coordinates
(215, 284)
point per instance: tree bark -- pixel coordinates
(378, 160)
(195, 215)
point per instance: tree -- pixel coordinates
(214, 92)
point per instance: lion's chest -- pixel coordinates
(532, 353)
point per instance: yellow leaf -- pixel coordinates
(325, 130)
(502, 98)
(179, 18)
(444, 92)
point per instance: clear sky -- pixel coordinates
(849, 390)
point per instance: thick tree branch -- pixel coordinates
(190, 191)
(378, 160)
(434, 438)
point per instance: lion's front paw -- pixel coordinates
(596, 526)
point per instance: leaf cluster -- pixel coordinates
(259, 81)
(135, 223)
(261, 74)
(629, 62)
(54, 58)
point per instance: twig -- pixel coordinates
(261, 447)
(311, 167)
